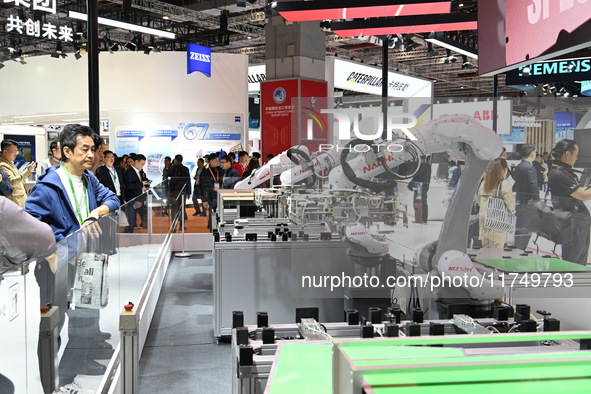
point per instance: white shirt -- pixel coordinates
(115, 179)
(79, 189)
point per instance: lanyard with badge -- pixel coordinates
(216, 184)
(78, 210)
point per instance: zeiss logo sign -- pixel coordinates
(198, 59)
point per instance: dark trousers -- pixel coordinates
(420, 204)
(578, 250)
(524, 224)
(131, 218)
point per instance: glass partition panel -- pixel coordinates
(98, 269)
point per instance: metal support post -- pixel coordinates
(130, 351)
(48, 348)
(183, 253)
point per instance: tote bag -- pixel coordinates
(497, 215)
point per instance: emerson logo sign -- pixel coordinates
(198, 59)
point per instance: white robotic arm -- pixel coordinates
(448, 133)
(272, 168)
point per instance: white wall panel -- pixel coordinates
(129, 81)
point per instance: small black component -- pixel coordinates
(522, 312)
(262, 319)
(325, 236)
(501, 313)
(436, 329)
(551, 324)
(396, 312)
(273, 237)
(306, 237)
(277, 230)
(228, 237)
(294, 237)
(216, 237)
(242, 336)
(285, 237)
(269, 234)
(417, 315)
(414, 330)
(352, 317)
(375, 315)
(268, 336)
(246, 356)
(391, 330)
(528, 326)
(237, 319)
(367, 331)
(251, 237)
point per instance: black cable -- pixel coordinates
(377, 187)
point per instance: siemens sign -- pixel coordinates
(198, 59)
(552, 71)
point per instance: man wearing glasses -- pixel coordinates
(17, 179)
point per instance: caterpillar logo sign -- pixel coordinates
(366, 79)
(198, 59)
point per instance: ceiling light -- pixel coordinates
(43, 115)
(454, 46)
(123, 25)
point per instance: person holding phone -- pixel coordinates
(17, 179)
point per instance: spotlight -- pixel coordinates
(466, 63)
(552, 89)
(545, 88)
(450, 57)
(325, 25)
(526, 70)
(147, 50)
(114, 47)
(77, 54)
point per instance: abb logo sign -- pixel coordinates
(484, 115)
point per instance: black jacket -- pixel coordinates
(526, 183)
(133, 184)
(104, 177)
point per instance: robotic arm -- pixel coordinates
(462, 137)
(269, 170)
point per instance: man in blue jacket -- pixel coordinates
(67, 198)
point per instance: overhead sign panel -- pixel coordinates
(551, 71)
(365, 79)
(330, 10)
(406, 25)
(515, 32)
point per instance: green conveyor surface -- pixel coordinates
(534, 265)
(568, 377)
(303, 369)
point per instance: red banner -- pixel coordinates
(277, 112)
